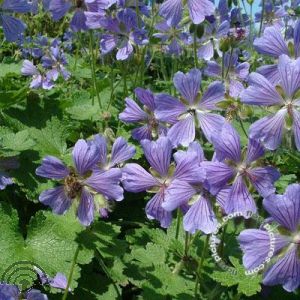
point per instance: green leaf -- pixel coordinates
(14, 143)
(51, 140)
(10, 68)
(284, 181)
(247, 284)
(50, 242)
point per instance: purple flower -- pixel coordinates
(56, 61)
(195, 197)
(13, 28)
(38, 80)
(151, 127)
(235, 73)
(83, 182)
(162, 174)
(172, 37)
(12, 292)
(171, 10)
(256, 243)
(7, 164)
(269, 130)
(272, 43)
(120, 152)
(192, 110)
(231, 165)
(123, 34)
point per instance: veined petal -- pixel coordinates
(297, 38)
(59, 8)
(121, 151)
(57, 199)
(213, 95)
(183, 132)
(263, 178)
(270, 72)
(146, 97)
(206, 51)
(198, 9)
(78, 21)
(286, 271)
(217, 175)
(256, 245)
(200, 216)
(171, 10)
(240, 199)
(227, 143)
(12, 27)
(85, 212)
(271, 43)
(178, 193)
(158, 153)
(209, 123)
(255, 150)
(269, 129)
(52, 168)
(107, 183)
(260, 92)
(155, 211)
(289, 71)
(188, 85)
(85, 156)
(141, 133)
(168, 108)
(132, 113)
(296, 127)
(285, 209)
(136, 179)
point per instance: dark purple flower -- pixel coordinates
(171, 10)
(255, 243)
(192, 110)
(231, 165)
(162, 174)
(13, 28)
(151, 127)
(269, 130)
(12, 292)
(7, 164)
(83, 182)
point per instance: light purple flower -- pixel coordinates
(192, 110)
(230, 165)
(195, 197)
(255, 243)
(151, 127)
(162, 174)
(7, 164)
(235, 73)
(80, 182)
(269, 130)
(171, 10)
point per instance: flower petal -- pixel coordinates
(200, 216)
(213, 95)
(132, 113)
(121, 152)
(52, 168)
(158, 153)
(136, 179)
(269, 129)
(260, 92)
(146, 97)
(107, 183)
(254, 151)
(171, 10)
(85, 156)
(183, 132)
(85, 212)
(57, 199)
(296, 127)
(198, 9)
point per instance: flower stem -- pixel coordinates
(71, 273)
(262, 16)
(93, 69)
(178, 222)
(195, 50)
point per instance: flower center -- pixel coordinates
(72, 186)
